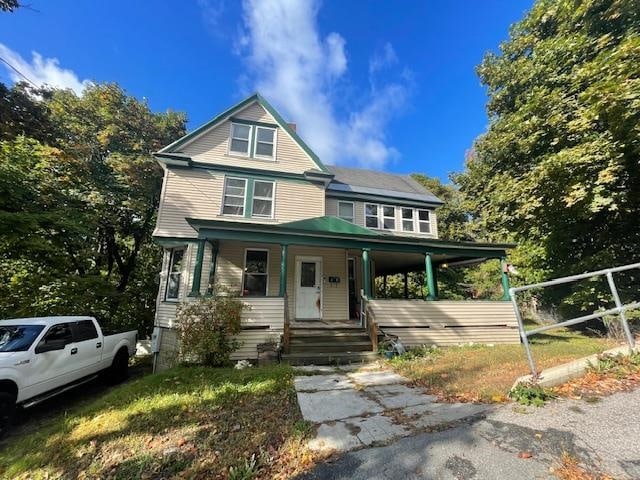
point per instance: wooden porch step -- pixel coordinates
(328, 358)
(299, 346)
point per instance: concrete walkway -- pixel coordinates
(369, 406)
(603, 436)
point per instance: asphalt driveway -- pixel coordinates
(510, 442)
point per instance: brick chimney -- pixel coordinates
(292, 126)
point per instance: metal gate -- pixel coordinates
(619, 309)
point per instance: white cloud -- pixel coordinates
(42, 71)
(302, 73)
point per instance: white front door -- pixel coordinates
(309, 288)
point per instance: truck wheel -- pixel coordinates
(7, 408)
(119, 370)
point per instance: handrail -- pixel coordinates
(286, 342)
(368, 322)
(619, 309)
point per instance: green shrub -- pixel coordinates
(618, 365)
(207, 326)
(530, 394)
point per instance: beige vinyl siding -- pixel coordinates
(332, 209)
(442, 323)
(166, 310)
(213, 146)
(197, 193)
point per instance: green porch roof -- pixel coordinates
(327, 224)
(333, 232)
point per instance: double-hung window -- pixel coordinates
(235, 190)
(265, 142)
(263, 193)
(255, 276)
(407, 220)
(388, 217)
(424, 221)
(346, 211)
(174, 274)
(371, 219)
(240, 139)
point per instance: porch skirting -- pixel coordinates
(442, 323)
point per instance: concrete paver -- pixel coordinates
(330, 405)
(312, 383)
(376, 378)
(400, 396)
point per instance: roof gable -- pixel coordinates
(236, 109)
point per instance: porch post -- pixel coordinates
(428, 277)
(283, 270)
(384, 286)
(214, 262)
(505, 279)
(366, 273)
(197, 272)
(406, 285)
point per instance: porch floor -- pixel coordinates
(320, 324)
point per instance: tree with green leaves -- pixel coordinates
(79, 191)
(558, 169)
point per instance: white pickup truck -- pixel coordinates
(42, 357)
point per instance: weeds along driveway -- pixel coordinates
(511, 442)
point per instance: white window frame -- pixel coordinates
(244, 270)
(377, 216)
(172, 251)
(412, 219)
(224, 196)
(248, 140)
(272, 199)
(254, 147)
(383, 217)
(419, 222)
(351, 219)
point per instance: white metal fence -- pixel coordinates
(619, 309)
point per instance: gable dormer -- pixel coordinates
(250, 134)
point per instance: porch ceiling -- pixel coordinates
(389, 263)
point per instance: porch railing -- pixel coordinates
(368, 322)
(286, 341)
(619, 309)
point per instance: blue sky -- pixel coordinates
(378, 84)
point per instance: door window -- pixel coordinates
(85, 330)
(308, 274)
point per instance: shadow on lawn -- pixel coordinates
(195, 418)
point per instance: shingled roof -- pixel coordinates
(371, 182)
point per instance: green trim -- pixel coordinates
(171, 241)
(283, 270)
(215, 247)
(429, 278)
(256, 97)
(364, 197)
(328, 224)
(254, 131)
(283, 233)
(242, 121)
(505, 279)
(366, 273)
(248, 207)
(197, 272)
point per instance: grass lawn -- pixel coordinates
(483, 373)
(188, 422)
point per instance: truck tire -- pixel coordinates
(7, 409)
(119, 370)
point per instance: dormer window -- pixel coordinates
(256, 141)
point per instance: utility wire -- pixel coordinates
(19, 72)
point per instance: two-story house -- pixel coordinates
(247, 204)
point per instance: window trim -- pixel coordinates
(353, 211)
(377, 215)
(248, 140)
(172, 251)
(381, 208)
(254, 147)
(413, 219)
(244, 197)
(418, 221)
(273, 198)
(244, 271)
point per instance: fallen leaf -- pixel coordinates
(525, 455)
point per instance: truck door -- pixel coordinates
(89, 347)
(53, 368)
